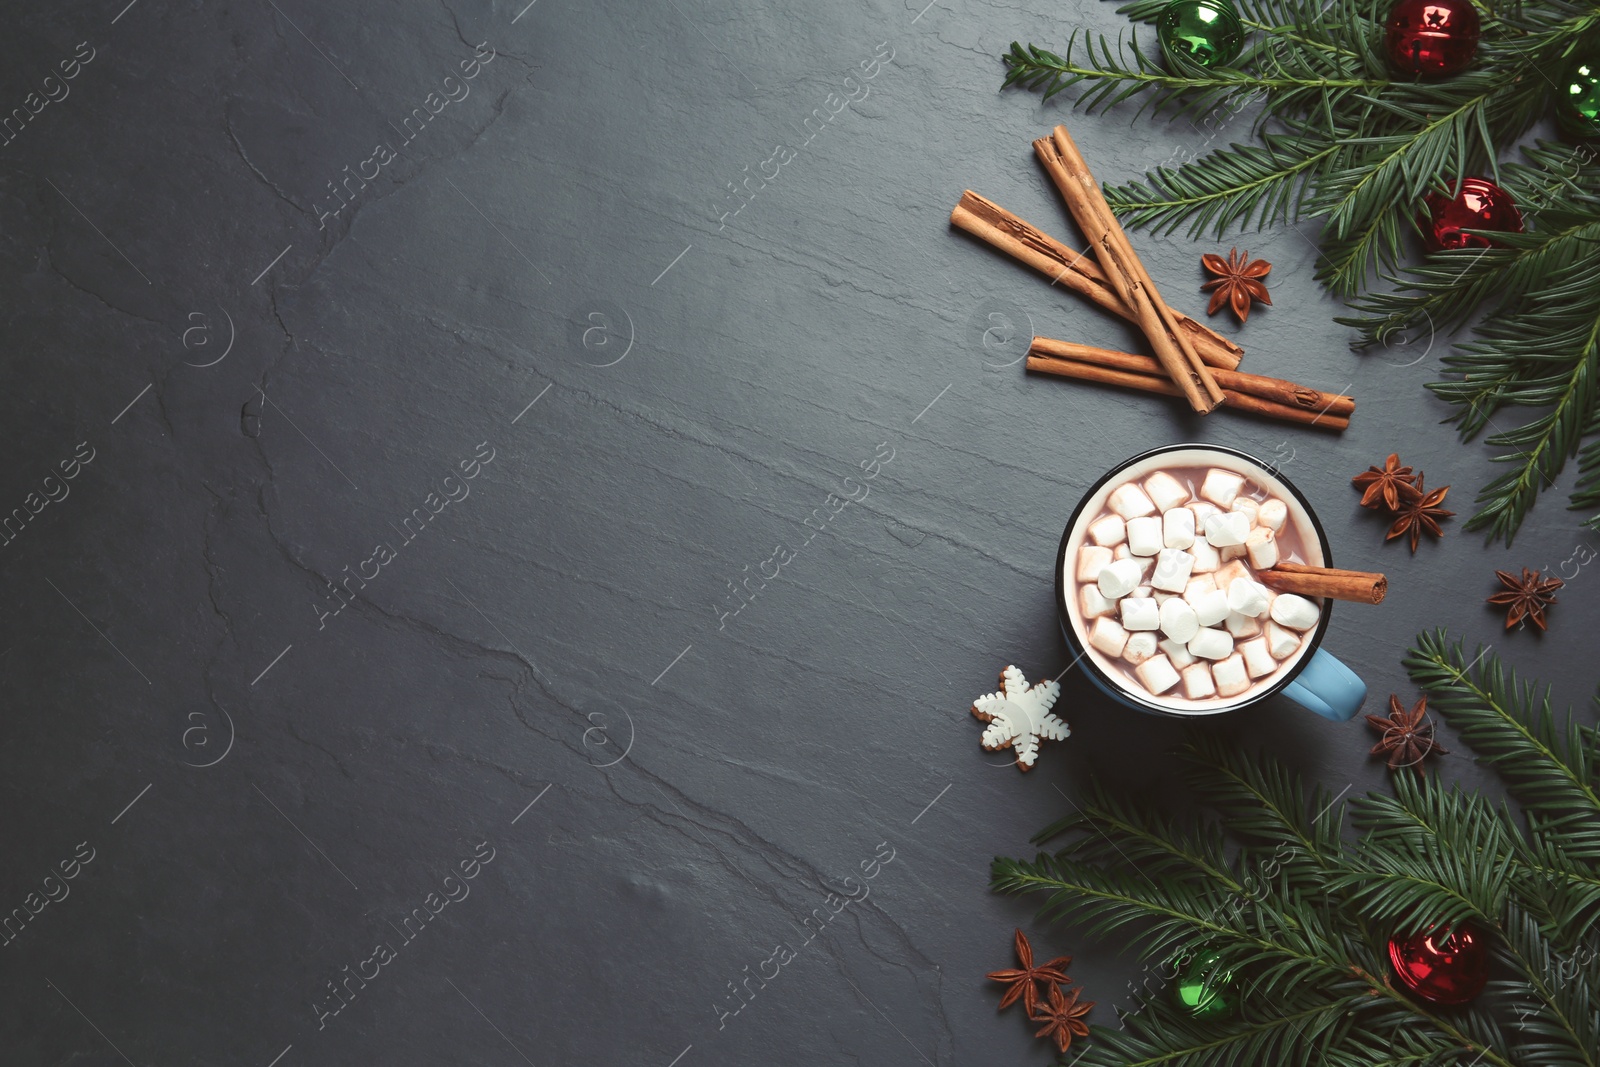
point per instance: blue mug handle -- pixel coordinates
(1328, 687)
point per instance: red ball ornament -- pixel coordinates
(1442, 969)
(1432, 38)
(1480, 205)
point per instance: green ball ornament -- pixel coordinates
(1206, 989)
(1578, 99)
(1207, 32)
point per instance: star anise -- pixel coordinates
(1023, 982)
(1407, 739)
(1419, 513)
(1063, 1018)
(1527, 596)
(1237, 282)
(1387, 485)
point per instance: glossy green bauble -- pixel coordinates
(1578, 98)
(1207, 32)
(1206, 989)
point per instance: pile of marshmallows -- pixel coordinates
(1163, 564)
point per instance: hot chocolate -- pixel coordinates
(1162, 582)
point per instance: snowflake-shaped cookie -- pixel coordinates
(1019, 715)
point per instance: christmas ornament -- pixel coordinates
(1062, 1018)
(1480, 205)
(1206, 989)
(1019, 715)
(1442, 969)
(1418, 513)
(1432, 38)
(1407, 735)
(1207, 32)
(1526, 597)
(1578, 99)
(1386, 486)
(1024, 981)
(1237, 284)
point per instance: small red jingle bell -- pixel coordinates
(1432, 38)
(1480, 205)
(1442, 969)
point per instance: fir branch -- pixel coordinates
(1550, 767)
(1109, 827)
(1277, 1039)
(1309, 942)
(1562, 1010)
(1265, 801)
(1264, 185)
(1586, 494)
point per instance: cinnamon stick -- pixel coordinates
(1161, 384)
(1121, 265)
(999, 228)
(1274, 389)
(1359, 586)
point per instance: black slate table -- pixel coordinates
(437, 379)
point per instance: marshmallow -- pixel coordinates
(1227, 528)
(1108, 637)
(1248, 597)
(1229, 573)
(1144, 535)
(1139, 648)
(1177, 528)
(1177, 653)
(1272, 515)
(1178, 620)
(1093, 604)
(1221, 487)
(1130, 502)
(1156, 675)
(1161, 598)
(1262, 546)
(1241, 626)
(1198, 586)
(1208, 644)
(1230, 675)
(1295, 612)
(1109, 531)
(1229, 552)
(1172, 570)
(1121, 551)
(1205, 557)
(1197, 684)
(1118, 578)
(1202, 510)
(1140, 613)
(1280, 642)
(1165, 490)
(1142, 591)
(1257, 657)
(1092, 559)
(1245, 506)
(1211, 608)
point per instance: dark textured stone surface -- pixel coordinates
(553, 638)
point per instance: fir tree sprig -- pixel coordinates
(1309, 939)
(1339, 139)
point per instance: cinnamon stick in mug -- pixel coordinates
(1361, 587)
